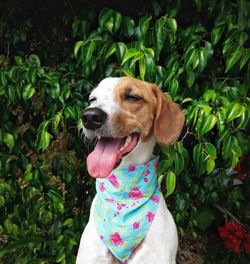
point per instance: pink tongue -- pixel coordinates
(102, 160)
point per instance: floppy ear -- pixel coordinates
(169, 119)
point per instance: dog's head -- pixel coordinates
(126, 115)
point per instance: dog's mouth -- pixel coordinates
(107, 154)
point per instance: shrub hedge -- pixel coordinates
(200, 59)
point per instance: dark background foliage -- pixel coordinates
(52, 53)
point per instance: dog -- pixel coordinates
(128, 117)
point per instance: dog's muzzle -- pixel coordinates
(93, 118)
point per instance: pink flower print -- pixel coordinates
(102, 187)
(110, 200)
(113, 180)
(146, 179)
(155, 198)
(135, 194)
(147, 172)
(131, 168)
(150, 216)
(101, 237)
(147, 164)
(120, 206)
(136, 225)
(116, 239)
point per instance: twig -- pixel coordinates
(226, 212)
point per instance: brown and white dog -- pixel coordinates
(138, 115)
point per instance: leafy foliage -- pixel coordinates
(202, 64)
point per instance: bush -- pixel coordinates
(201, 62)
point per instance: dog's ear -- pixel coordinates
(169, 119)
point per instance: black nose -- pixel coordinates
(93, 118)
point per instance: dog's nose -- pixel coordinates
(93, 118)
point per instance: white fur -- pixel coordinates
(161, 242)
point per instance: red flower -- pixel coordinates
(246, 243)
(232, 234)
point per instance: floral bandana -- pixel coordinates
(126, 204)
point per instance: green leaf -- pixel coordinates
(150, 66)
(170, 183)
(56, 121)
(117, 21)
(234, 159)
(188, 99)
(104, 16)
(173, 87)
(179, 163)
(127, 72)
(120, 50)
(110, 24)
(111, 50)
(28, 92)
(159, 36)
(228, 144)
(209, 49)
(199, 159)
(207, 124)
(3, 79)
(209, 94)
(43, 125)
(234, 110)
(243, 120)
(131, 53)
(202, 54)
(205, 218)
(88, 52)
(70, 112)
(172, 24)
(34, 60)
(160, 73)
(9, 140)
(79, 125)
(190, 78)
(233, 55)
(210, 165)
(68, 222)
(144, 24)
(217, 33)
(78, 45)
(127, 26)
(142, 68)
(160, 179)
(43, 140)
(245, 58)
(18, 60)
(32, 75)
(211, 150)
(190, 58)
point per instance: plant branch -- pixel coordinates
(226, 212)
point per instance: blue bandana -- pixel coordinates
(126, 204)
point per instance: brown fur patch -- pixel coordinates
(153, 114)
(138, 114)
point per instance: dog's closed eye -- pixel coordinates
(91, 100)
(132, 97)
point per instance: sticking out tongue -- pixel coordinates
(106, 155)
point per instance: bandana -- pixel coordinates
(126, 204)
